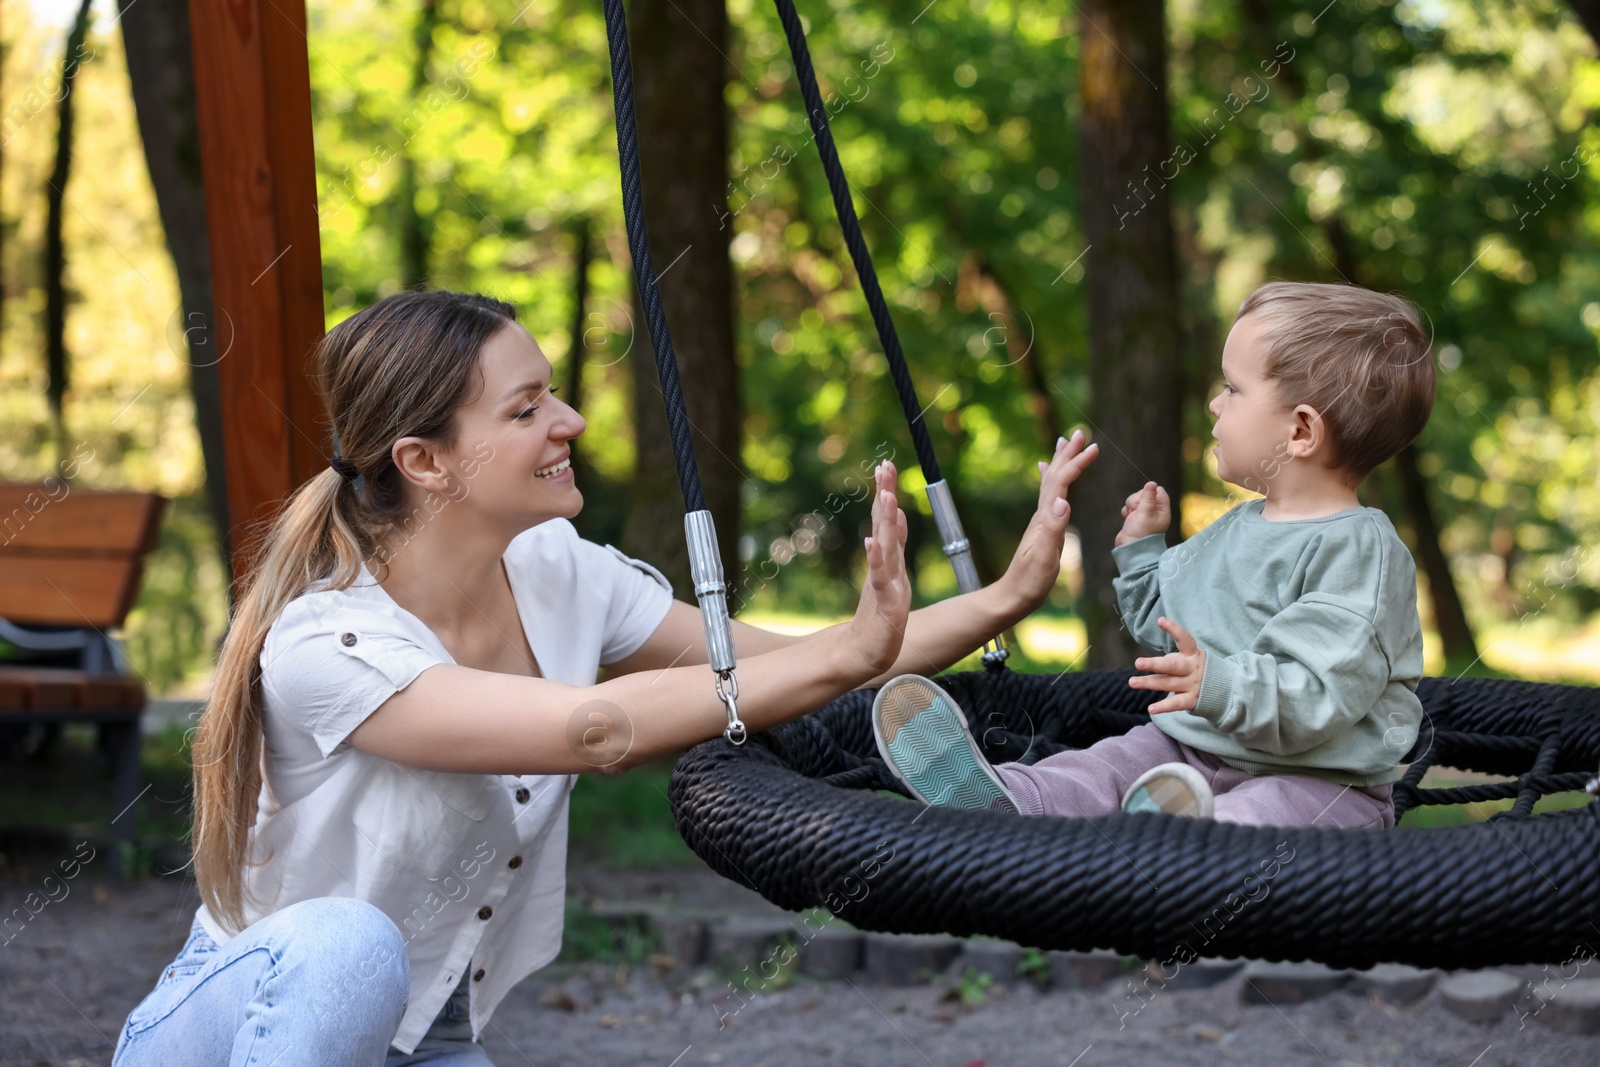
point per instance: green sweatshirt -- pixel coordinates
(1313, 646)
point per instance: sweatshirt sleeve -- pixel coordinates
(1138, 589)
(1317, 667)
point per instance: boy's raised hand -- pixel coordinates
(1149, 511)
(1037, 562)
(1177, 674)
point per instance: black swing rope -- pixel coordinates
(644, 268)
(955, 543)
(793, 816)
(705, 565)
(850, 226)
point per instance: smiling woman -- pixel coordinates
(410, 685)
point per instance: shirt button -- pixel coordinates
(523, 795)
(347, 640)
(485, 911)
(516, 861)
(479, 976)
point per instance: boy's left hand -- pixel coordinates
(1178, 674)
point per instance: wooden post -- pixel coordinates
(253, 88)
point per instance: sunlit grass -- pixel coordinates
(1544, 650)
(1044, 642)
(1431, 815)
(625, 821)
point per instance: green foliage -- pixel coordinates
(173, 632)
(1034, 966)
(625, 820)
(589, 937)
(1443, 150)
(972, 988)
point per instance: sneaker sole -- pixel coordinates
(919, 728)
(1174, 794)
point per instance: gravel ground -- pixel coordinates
(70, 977)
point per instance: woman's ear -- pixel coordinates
(418, 463)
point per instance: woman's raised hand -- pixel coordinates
(1037, 563)
(875, 633)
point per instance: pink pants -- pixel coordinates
(1091, 781)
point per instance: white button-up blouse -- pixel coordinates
(471, 867)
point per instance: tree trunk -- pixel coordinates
(55, 251)
(415, 237)
(1135, 346)
(679, 76)
(1588, 12)
(1455, 634)
(155, 35)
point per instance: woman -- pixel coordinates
(409, 687)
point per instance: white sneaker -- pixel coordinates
(1172, 788)
(923, 736)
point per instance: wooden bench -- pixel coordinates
(70, 564)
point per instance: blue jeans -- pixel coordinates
(322, 981)
(448, 1042)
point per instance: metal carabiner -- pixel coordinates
(735, 731)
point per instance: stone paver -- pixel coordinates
(1085, 970)
(831, 952)
(740, 943)
(1289, 983)
(686, 938)
(1480, 996)
(1203, 973)
(1573, 1008)
(905, 959)
(1395, 983)
(997, 959)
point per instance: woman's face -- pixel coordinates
(514, 439)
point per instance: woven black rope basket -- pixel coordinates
(795, 815)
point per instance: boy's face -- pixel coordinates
(1253, 424)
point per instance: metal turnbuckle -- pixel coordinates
(734, 731)
(995, 654)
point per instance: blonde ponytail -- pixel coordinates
(400, 368)
(309, 539)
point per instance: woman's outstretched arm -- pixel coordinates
(454, 718)
(940, 634)
(935, 636)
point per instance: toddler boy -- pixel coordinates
(1289, 630)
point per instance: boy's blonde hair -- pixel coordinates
(1360, 358)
